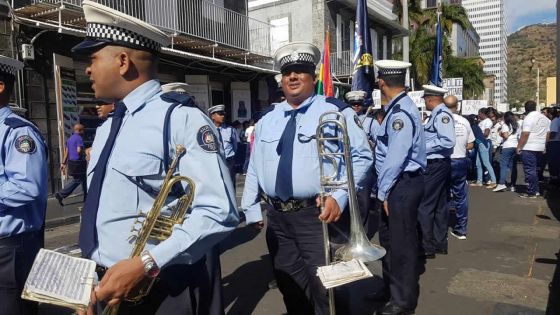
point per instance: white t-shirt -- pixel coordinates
(555, 127)
(538, 126)
(463, 136)
(485, 124)
(511, 141)
(248, 133)
(495, 134)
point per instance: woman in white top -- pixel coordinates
(508, 158)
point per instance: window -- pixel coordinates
(280, 32)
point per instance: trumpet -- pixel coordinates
(358, 247)
(157, 226)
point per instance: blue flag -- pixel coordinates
(437, 64)
(363, 75)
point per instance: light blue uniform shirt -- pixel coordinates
(440, 133)
(229, 140)
(400, 144)
(23, 177)
(263, 166)
(137, 156)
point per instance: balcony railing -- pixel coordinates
(342, 64)
(198, 18)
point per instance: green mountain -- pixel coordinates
(536, 42)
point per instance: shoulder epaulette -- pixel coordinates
(14, 123)
(338, 103)
(178, 98)
(267, 110)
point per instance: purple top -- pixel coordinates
(72, 144)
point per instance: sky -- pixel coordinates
(526, 12)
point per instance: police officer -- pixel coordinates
(213, 264)
(400, 157)
(356, 100)
(227, 135)
(130, 156)
(23, 195)
(284, 172)
(464, 141)
(433, 214)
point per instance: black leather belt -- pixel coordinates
(16, 240)
(291, 205)
(100, 270)
(412, 174)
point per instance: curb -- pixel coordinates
(57, 222)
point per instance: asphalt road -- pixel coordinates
(503, 268)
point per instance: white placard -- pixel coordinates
(470, 107)
(454, 86)
(503, 107)
(416, 97)
(376, 98)
(199, 89)
(240, 101)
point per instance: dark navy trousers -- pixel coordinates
(530, 161)
(398, 235)
(433, 214)
(17, 254)
(459, 191)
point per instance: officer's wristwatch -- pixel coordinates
(151, 269)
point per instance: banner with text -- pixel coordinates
(454, 87)
(471, 107)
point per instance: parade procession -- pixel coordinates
(297, 157)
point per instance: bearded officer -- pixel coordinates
(433, 213)
(400, 158)
(23, 196)
(284, 172)
(130, 155)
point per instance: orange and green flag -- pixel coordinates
(325, 83)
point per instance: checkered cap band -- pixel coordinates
(121, 35)
(392, 71)
(301, 59)
(4, 68)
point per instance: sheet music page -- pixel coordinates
(55, 276)
(342, 273)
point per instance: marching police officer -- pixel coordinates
(23, 195)
(440, 139)
(284, 172)
(227, 135)
(213, 264)
(356, 100)
(129, 159)
(400, 157)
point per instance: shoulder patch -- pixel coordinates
(25, 144)
(338, 103)
(445, 119)
(206, 139)
(398, 124)
(358, 122)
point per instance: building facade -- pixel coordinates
(216, 48)
(304, 20)
(489, 20)
(464, 42)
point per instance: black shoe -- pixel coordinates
(273, 285)
(59, 198)
(441, 251)
(427, 256)
(392, 309)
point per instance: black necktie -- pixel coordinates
(285, 149)
(88, 233)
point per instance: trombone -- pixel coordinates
(333, 128)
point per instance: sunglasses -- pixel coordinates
(221, 113)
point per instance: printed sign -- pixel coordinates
(454, 87)
(470, 107)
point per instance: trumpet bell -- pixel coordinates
(361, 249)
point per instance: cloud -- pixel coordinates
(522, 12)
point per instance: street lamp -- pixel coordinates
(537, 95)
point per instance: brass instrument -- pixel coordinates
(157, 226)
(358, 247)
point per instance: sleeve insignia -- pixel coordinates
(25, 144)
(358, 122)
(206, 139)
(398, 124)
(445, 120)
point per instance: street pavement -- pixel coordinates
(503, 268)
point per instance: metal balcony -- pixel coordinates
(195, 25)
(342, 64)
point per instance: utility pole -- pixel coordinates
(538, 87)
(406, 39)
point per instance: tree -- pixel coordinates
(471, 72)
